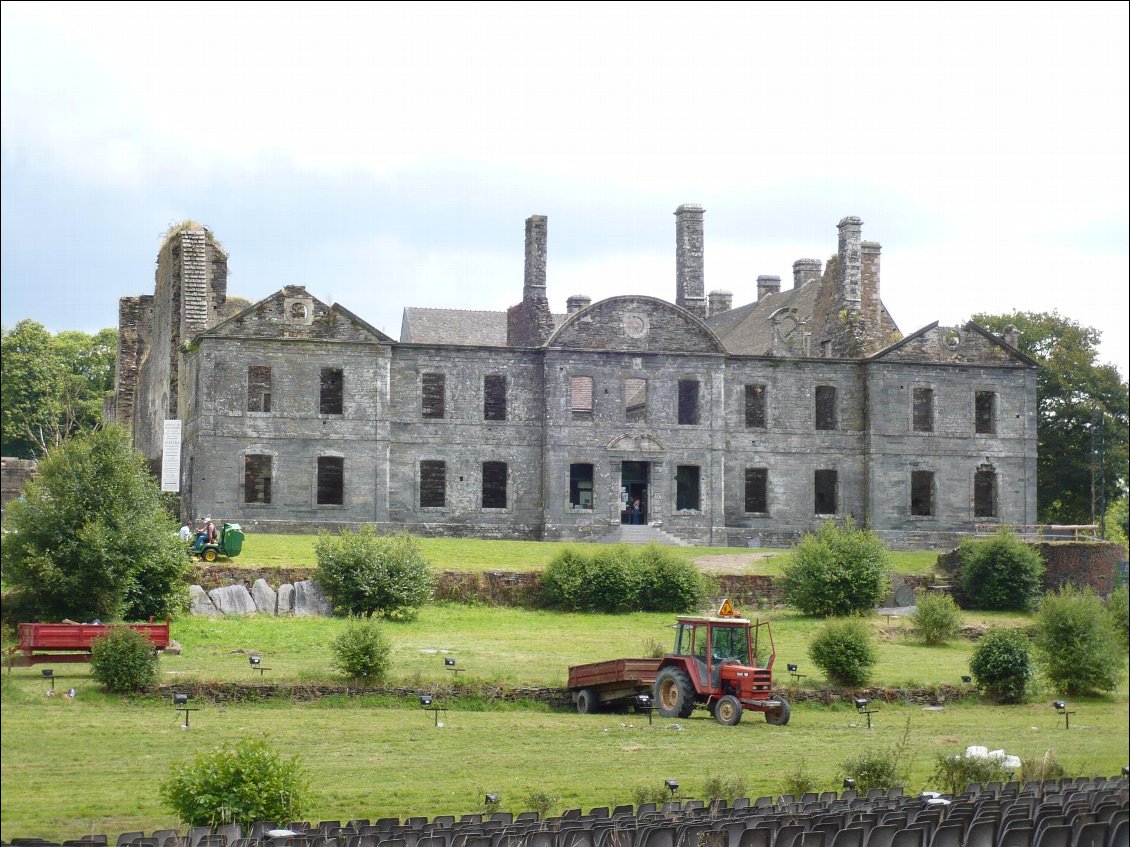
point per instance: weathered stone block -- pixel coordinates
(200, 602)
(266, 600)
(285, 605)
(309, 601)
(232, 600)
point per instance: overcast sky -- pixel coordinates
(387, 155)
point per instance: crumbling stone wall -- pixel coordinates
(14, 475)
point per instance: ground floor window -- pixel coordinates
(985, 492)
(757, 490)
(494, 485)
(922, 493)
(331, 480)
(687, 492)
(256, 479)
(433, 483)
(580, 486)
(826, 492)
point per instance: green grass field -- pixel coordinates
(479, 555)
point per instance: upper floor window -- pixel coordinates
(257, 479)
(688, 401)
(259, 388)
(825, 407)
(333, 384)
(433, 483)
(985, 412)
(923, 412)
(687, 490)
(494, 397)
(580, 397)
(432, 387)
(331, 480)
(755, 397)
(635, 399)
(494, 485)
(757, 490)
(922, 493)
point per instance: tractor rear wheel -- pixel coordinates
(728, 710)
(587, 702)
(210, 555)
(780, 716)
(674, 693)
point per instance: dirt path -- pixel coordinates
(730, 562)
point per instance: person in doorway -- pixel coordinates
(635, 513)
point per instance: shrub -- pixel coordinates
(953, 772)
(651, 793)
(718, 787)
(1000, 573)
(541, 802)
(620, 579)
(799, 782)
(237, 783)
(876, 768)
(1119, 613)
(89, 538)
(363, 573)
(1001, 665)
(123, 660)
(837, 571)
(1046, 766)
(1077, 646)
(936, 618)
(844, 650)
(361, 651)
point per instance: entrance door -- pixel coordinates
(633, 484)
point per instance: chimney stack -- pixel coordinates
(849, 272)
(719, 302)
(767, 285)
(690, 282)
(530, 323)
(534, 283)
(805, 270)
(576, 303)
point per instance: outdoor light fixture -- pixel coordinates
(672, 786)
(427, 703)
(792, 666)
(861, 705)
(849, 783)
(492, 798)
(644, 704)
(256, 663)
(967, 679)
(449, 664)
(254, 660)
(1126, 770)
(180, 703)
(180, 699)
(1061, 708)
(49, 673)
(425, 700)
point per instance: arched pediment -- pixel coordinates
(633, 324)
(643, 442)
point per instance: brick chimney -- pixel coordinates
(690, 278)
(719, 302)
(530, 323)
(767, 285)
(576, 303)
(805, 270)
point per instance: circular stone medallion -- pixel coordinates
(635, 325)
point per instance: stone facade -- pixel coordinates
(732, 425)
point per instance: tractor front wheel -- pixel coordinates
(209, 555)
(587, 702)
(674, 693)
(728, 710)
(779, 716)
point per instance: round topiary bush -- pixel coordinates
(1001, 573)
(837, 571)
(123, 660)
(845, 651)
(361, 651)
(363, 573)
(1002, 665)
(936, 618)
(1078, 648)
(237, 783)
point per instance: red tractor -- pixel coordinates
(717, 662)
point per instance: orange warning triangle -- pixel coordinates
(726, 610)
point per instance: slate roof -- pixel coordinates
(747, 329)
(421, 325)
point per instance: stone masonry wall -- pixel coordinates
(14, 475)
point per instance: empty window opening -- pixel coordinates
(923, 410)
(331, 480)
(332, 384)
(580, 397)
(432, 395)
(825, 407)
(494, 397)
(688, 401)
(755, 406)
(687, 487)
(259, 388)
(256, 479)
(826, 492)
(433, 483)
(757, 490)
(635, 399)
(494, 485)
(922, 493)
(986, 411)
(985, 492)
(580, 486)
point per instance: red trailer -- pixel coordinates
(614, 682)
(70, 642)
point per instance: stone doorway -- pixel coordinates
(634, 482)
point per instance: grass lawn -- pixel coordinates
(467, 554)
(92, 765)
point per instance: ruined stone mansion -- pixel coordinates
(731, 425)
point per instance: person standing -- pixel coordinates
(635, 515)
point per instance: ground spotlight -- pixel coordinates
(180, 703)
(861, 704)
(1126, 770)
(425, 700)
(256, 663)
(967, 679)
(849, 783)
(254, 660)
(49, 673)
(449, 664)
(428, 704)
(180, 699)
(492, 799)
(672, 786)
(793, 667)
(1061, 708)
(644, 704)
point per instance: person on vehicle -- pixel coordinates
(210, 533)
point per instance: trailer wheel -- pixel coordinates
(778, 717)
(728, 710)
(209, 555)
(674, 693)
(587, 702)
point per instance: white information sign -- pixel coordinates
(170, 457)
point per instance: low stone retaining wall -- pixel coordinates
(1080, 563)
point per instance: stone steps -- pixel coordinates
(629, 534)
